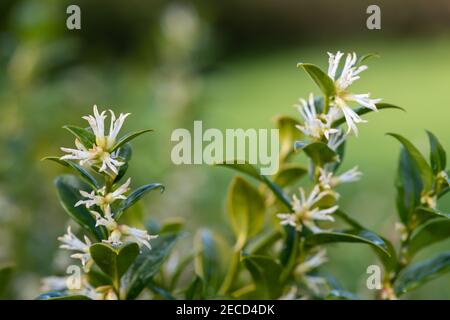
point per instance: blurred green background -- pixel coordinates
(230, 64)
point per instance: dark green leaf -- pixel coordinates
(319, 153)
(79, 169)
(69, 187)
(61, 295)
(135, 196)
(430, 233)
(325, 83)
(425, 171)
(363, 110)
(409, 186)
(148, 264)
(438, 157)
(351, 236)
(123, 154)
(266, 275)
(86, 137)
(128, 137)
(419, 273)
(423, 214)
(114, 261)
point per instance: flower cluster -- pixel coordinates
(104, 197)
(319, 116)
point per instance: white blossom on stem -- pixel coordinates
(71, 242)
(349, 73)
(101, 198)
(306, 211)
(328, 180)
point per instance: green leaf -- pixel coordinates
(350, 236)
(325, 83)
(209, 262)
(423, 214)
(430, 233)
(409, 186)
(438, 157)
(245, 207)
(319, 153)
(148, 264)
(266, 275)
(128, 137)
(79, 169)
(289, 173)
(135, 196)
(419, 273)
(288, 135)
(69, 187)
(389, 261)
(363, 110)
(114, 261)
(86, 137)
(425, 171)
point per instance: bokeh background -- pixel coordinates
(228, 63)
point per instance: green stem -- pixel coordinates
(278, 192)
(292, 259)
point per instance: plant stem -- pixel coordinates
(232, 272)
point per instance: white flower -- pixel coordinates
(101, 152)
(314, 125)
(97, 123)
(312, 262)
(71, 242)
(105, 220)
(101, 199)
(306, 212)
(121, 233)
(329, 181)
(350, 73)
(335, 140)
(139, 236)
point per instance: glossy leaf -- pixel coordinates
(423, 214)
(61, 295)
(430, 233)
(245, 207)
(265, 274)
(425, 171)
(350, 236)
(363, 110)
(114, 261)
(69, 187)
(438, 157)
(135, 196)
(325, 83)
(341, 295)
(148, 264)
(123, 154)
(85, 174)
(128, 137)
(319, 153)
(409, 186)
(86, 137)
(417, 274)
